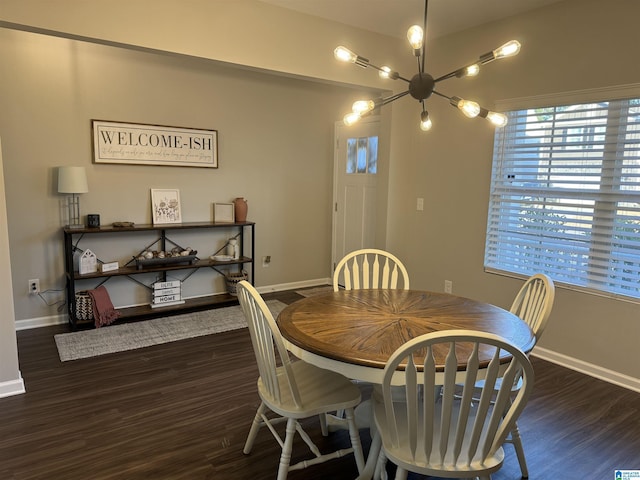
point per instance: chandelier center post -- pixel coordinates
(421, 86)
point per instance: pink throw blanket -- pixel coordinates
(103, 311)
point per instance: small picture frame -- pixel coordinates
(223, 213)
(165, 206)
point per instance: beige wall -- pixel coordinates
(449, 167)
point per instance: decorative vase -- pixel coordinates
(240, 207)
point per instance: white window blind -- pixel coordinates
(565, 196)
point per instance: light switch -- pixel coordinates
(420, 204)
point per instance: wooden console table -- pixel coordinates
(73, 236)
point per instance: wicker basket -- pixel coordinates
(84, 306)
(233, 279)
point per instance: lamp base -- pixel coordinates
(73, 204)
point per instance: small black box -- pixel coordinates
(93, 220)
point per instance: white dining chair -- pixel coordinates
(364, 269)
(293, 390)
(533, 304)
(370, 268)
(442, 435)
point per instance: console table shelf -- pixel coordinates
(145, 312)
(131, 270)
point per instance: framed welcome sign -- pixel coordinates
(140, 144)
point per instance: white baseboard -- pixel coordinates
(12, 387)
(28, 323)
(590, 369)
(295, 285)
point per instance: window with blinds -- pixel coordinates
(565, 196)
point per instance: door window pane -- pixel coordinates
(362, 155)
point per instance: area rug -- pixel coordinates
(308, 292)
(129, 336)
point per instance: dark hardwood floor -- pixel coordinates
(182, 411)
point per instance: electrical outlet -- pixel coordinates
(448, 286)
(420, 204)
(266, 261)
(34, 286)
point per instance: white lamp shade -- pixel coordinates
(72, 180)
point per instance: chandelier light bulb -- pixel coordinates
(351, 118)
(415, 35)
(385, 72)
(344, 54)
(472, 70)
(425, 122)
(470, 108)
(363, 106)
(509, 49)
(498, 119)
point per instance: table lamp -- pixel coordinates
(73, 180)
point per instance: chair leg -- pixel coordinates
(517, 444)
(355, 439)
(370, 466)
(255, 426)
(401, 474)
(323, 424)
(287, 447)
(380, 472)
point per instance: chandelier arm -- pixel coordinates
(449, 98)
(441, 95)
(398, 77)
(446, 77)
(392, 98)
(456, 73)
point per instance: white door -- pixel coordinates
(355, 187)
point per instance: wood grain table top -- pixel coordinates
(364, 327)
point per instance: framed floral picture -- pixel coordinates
(165, 206)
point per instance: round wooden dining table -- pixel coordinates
(354, 332)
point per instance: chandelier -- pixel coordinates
(422, 84)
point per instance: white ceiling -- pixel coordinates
(394, 17)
